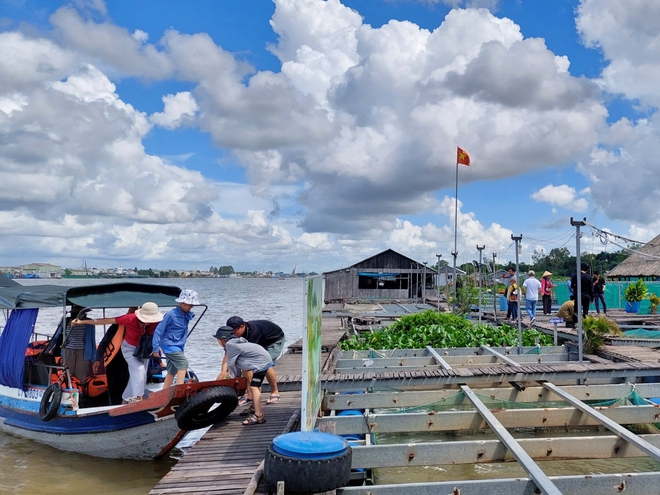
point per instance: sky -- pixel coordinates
(270, 135)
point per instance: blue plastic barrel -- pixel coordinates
(503, 303)
(313, 445)
(352, 412)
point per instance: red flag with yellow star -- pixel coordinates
(462, 157)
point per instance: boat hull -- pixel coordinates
(143, 430)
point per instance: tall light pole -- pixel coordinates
(437, 281)
(454, 254)
(517, 241)
(578, 275)
(494, 285)
(424, 284)
(480, 249)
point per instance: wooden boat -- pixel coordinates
(39, 399)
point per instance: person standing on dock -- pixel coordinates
(269, 336)
(242, 356)
(171, 335)
(546, 292)
(532, 286)
(586, 288)
(512, 300)
(599, 292)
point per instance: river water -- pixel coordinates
(30, 468)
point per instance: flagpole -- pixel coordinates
(455, 252)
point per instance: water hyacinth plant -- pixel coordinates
(441, 330)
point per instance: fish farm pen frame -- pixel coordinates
(390, 392)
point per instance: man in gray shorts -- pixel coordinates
(269, 336)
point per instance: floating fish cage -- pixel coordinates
(484, 421)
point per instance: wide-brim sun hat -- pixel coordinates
(188, 296)
(149, 313)
(547, 273)
(224, 332)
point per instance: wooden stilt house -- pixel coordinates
(384, 276)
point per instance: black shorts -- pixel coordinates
(258, 379)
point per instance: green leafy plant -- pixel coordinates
(636, 292)
(441, 330)
(655, 302)
(595, 330)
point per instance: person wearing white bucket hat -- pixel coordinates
(171, 334)
(144, 320)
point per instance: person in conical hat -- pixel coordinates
(546, 292)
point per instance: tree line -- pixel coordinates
(558, 261)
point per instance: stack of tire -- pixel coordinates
(308, 462)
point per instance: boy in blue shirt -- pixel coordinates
(171, 335)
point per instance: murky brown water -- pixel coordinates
(512, 469)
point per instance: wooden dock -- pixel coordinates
(227, 457)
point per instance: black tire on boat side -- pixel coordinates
(50, 402)
(307, 475)
(206, 408)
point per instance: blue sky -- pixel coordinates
(317, 133)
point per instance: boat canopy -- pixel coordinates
(122, 295)
(35, 296)
(119, 295)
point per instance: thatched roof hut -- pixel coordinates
(644, 263)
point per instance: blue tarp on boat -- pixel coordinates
(13, 341)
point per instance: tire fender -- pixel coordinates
(206, 408)
(307, 475)
(50, 402)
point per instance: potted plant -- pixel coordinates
(634, 294)
(655, 302)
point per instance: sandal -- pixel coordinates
(248, 410)
(273, 399)
(243, 401)
(254, 420)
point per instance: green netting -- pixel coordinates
(632, 399)
(640, 333)
(452, 403)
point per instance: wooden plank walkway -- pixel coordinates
(227, 456)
